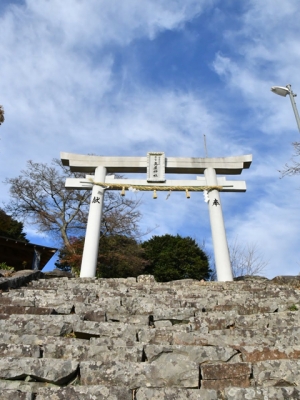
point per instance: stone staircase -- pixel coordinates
(136, 339)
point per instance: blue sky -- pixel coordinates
(123, 78)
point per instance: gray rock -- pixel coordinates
(177, 372)
(197, 354)
(57, 273)
(45, 370)
(178, 394)
(85, 393)
(277, 373)
(15, 395)
(278, 393)
(146, 279)
(19, 350)
(52, 325)
(85, 329)
(93, 352)
(19, 279)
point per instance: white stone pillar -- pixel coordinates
(222, 259)
(92, 236)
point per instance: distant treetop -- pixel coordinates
(1, 115)
(175, 257)
(11, 228)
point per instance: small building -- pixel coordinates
(22, 255)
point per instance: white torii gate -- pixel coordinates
(156, 165)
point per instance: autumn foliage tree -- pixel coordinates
(119, 256)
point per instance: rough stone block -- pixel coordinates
(128, 318)
(219, 384)
(97, 315)
(86, 329)
(93, 352)
(176, 314)
(15, 395)
(214, 321)
(178, 373)
(271, 393)
(262, 353)
(19, 350)
(12, 309)
(197, 354)
(155, 336)
(178, 394)
(277, 373)
(47, 325)
(45, 370)
(225, 370)
(146, 279)
(219, 376)
(85, 393)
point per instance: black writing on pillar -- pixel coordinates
(216, 203)
(96, 200)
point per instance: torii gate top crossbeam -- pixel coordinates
(190, 165)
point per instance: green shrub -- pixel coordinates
(4, 266)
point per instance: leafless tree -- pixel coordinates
(246, 259)
(1, 115)
(39, 196)
(294, 168)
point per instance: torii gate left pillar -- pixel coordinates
(92, 236)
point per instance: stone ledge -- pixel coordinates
(18, 279)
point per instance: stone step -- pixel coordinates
(48, 325)
(93, 352)
(233, 393)
(184, 336)
(78, 350)
(188, 286)
(60, 325)
(12, 309)
(86, 393)
(134, 304)
(123, 393)
(40, 340)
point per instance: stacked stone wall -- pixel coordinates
(137, 339)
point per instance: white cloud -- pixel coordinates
(99, 22)
(264, 52)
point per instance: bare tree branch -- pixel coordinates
(246, 259)
(39, 196)
(294, 168)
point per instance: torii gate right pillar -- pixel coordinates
(221, 252)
